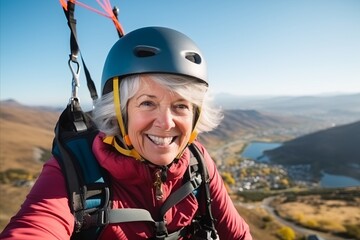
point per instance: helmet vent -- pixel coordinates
(193, 57)
(145, 51)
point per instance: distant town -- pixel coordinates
(248, 174)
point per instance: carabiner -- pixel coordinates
(75, 77)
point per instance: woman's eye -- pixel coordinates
(146, 104)
(182, 107)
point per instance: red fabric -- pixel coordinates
(46, 215)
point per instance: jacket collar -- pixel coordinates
(124, 168)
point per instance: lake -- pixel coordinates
(334, 181)
(255, 151)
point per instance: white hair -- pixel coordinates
(189, 88)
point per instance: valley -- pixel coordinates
(26, 135)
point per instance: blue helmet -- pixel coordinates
(153, 50)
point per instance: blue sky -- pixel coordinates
(262, 47)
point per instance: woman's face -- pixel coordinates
(159, 122)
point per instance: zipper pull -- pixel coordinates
(158, 185)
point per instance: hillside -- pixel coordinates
(334, 150)
(240, 124)
(23, 131)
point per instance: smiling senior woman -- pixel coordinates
(160, 112)
(154, 103)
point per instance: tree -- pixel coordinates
(353, 230)
(228, 178)
(286, 233)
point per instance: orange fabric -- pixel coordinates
(105, 5)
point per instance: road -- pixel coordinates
(266, 205)
(222, 153)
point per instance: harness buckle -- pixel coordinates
(98, 218)
(196, 181)
(161, 230)
(103, 212)
(103, 217)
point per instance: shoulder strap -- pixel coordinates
(198, 177)
(188, 187)
(207, 222)
(88, 192)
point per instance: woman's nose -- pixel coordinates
(164, 118)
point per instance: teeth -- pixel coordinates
(160, 140)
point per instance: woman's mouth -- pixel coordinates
(161, 141)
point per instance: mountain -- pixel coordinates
(244, 124)
(335, 150)
(338, 109)
(348, 102)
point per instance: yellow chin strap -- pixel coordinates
(194, 132)
(193, 136)
(111, 140)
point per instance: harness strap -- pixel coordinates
(74, 47)
(141, 215)
(181, 193)
(70, 16)
(71, 132)
(72, 179)
(136, 215)
(75, 191)
(129, 215)
(172, 236)
(205, 175)
(77, 116)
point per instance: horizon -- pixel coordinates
(87, 105)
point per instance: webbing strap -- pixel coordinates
(140, 215)
(70, 174)
(181, 193)
(129, 215)
(76, 201)
(205, 175)
(136, 215)
(172, 236)
(74, 47)
(70, 16)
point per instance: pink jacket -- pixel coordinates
(46, 214)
